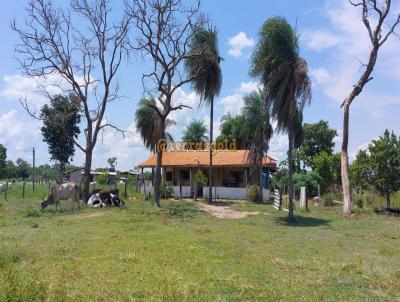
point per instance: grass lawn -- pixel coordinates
(141, 253)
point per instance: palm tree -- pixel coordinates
(151, 128)
(234, 128)
(257, 118)
(196, 132)
(284, 75)
(203, 65)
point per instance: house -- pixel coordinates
(231, 172)
(76, 175)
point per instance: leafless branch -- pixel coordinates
(378, 36)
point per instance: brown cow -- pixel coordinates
(63, 191)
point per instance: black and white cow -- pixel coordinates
(105, 197)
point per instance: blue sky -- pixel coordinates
(333, 41)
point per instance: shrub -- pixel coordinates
(327, 200)
(102, 179)
(253, 193)
(358, 199)
(166, 191)
(201, 179)
(310, 180)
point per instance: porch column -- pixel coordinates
(191, 181)
(163, 174)
(245, 177)
(152, 176)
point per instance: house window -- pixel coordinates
(185, 175)
(168, 176)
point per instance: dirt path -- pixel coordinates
(225, 212)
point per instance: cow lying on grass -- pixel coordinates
(63, 191)
(104, 197)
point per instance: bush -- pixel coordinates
(166, 191)
(310, 180)
(102, 179)
(358, 199)
(253, 193)
(201, 179)
(327, 200)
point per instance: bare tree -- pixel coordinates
(86, 57)
(380, 24)
(165, 29)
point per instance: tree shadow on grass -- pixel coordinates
(302, 221)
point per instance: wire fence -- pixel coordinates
(24, 190)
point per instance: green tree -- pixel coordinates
(361, 170)
(318, 137)
(61, 120)
(327, 166)
(151, 127)
(234, 129)
(196, 132)
(11, 169)
(284, 75)
(24, 169)
(203, 65)
(257, 118)
(3, 157)
(385, 161)
(112, 161)
(310, 180)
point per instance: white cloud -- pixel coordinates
(320, 75)
(247, 87)
(233, 103)
(320, 40)
(239, 42)
(35, 89)
(18, 135)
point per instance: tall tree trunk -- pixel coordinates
(157, 179)
(62, 170)
(290, 173)
(388, 198)
(86, 178)
(348, 202)
(210, 179)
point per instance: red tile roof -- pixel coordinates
(222, 158)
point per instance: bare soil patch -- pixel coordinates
(225, 212)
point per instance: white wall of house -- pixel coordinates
(232, 193)
(220, 192)
(176, 192)
(185, 191)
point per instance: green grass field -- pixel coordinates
(140, 253)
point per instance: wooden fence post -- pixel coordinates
(126, 184)
(5, 192)
(23, 190)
